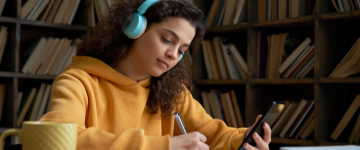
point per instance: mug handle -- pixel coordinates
(7, 133)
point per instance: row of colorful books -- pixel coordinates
(281, 9)
(223, 106)
(56, 11)
(227, 12)
(284, 55)
(346, 5)
(350, 64)
(223, 60)
(48, 55)
(33, 103)
(352, 114)
(295, 120)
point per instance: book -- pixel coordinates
(46, 11)
(212, 11)
(47, 48)
(229, 61)
(220, 57)
(61, 12)
(43, 103)
(36, 48)
(37, 102)
(240, 12)
(350, 64)
(262, 10)
(235, 52)
(63, 60)
(308, 67)
(294, 55)
(237, 63)
(68, 11)
(50, 58)
(2, 98)
(346, 118)
(235, 104)
(59, 56)
(213, 61)
(355, 130)
(280, 123)
(53, 11)
(306, 55)
(293, 117)
(73, 12)
(305, 124)
(215, 105)
(207, 60)
(206, 103)
(231, 109)
(39, 9)
(335, 6)
(299, 120)
(24, 108)
(3, 39)
(309, 129)
(18, 100)
(227, 111)
(2, 5)
(68, 61)
(33, 10)
(27, 7)
(229, 12)
(97, 9)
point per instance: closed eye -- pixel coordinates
(166, 40)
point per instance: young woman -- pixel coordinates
(122, 92)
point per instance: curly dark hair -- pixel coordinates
(107, 42)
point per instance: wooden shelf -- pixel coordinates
(282, 81)
(278, 140)
(213, 82)
(330, 143)
(298, 21)
(341, 16)
(228, 29)
(27, 76)
(44, 24)
(340, 80)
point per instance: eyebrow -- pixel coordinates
(176, 36)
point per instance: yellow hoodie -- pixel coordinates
(111, 113)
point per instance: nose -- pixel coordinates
(172, 53)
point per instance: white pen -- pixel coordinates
(180, 122)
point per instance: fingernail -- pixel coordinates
(246, 145)
(254, 135)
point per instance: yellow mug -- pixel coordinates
(38, 135)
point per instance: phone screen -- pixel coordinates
(269, 116)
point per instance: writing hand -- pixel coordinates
(261, 144)
(193, 140)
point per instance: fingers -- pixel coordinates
(260, 143)
(198, 135)
(199, 142)
(247, 146)
(267, 133)
(257, 118)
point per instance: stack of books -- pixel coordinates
(352, 114)
(296, 120)
(2, 5)
(281, 9)
(223, 60)
(284, 55)
(33, 103)
(227, 12)
(223, 106)
(56, 11)
(346, 5)
(350, 64)
(48, 56)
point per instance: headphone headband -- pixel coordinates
(145, 5)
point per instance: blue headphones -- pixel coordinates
(138, 23)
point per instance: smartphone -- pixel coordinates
(269, 116)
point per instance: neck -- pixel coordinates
(131, 69)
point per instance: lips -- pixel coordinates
(167, 65)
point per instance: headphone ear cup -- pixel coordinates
(136, 26)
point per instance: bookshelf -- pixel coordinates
(333, 33)
(20, 33)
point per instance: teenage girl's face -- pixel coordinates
(159, 48)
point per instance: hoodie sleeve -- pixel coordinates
(218, 134)
(69, 103)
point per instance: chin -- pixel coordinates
(156, 73)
